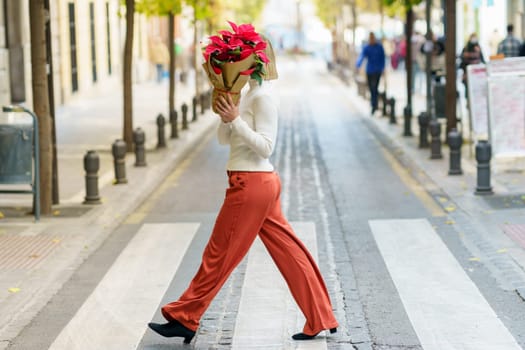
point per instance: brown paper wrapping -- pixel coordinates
(230, 80)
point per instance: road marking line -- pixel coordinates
(445, 307)
(117, 312)
(411, 183)
(268, 315)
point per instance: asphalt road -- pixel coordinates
(389, 288)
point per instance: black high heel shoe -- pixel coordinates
(173, 329)
(302, 336)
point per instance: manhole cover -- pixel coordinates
(515, 201)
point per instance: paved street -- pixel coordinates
(412, 259)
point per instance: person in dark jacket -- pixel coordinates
(374, 54)
(471, 54)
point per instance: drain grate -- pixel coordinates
(23, 252)
(61, 212)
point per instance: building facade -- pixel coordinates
(87, 39)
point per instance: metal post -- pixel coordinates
(407, 117)
(184, 110)
(119, 160)
(194, 108)
(161, 136)
(208, 98)
(174, 116)
(139, 138)
(392, 103)
(483, 155)
(203, 102)
(454, 142)
(384, 102)
(423, 120)
(435, 143)
(91, 166)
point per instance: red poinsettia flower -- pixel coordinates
(236, 45)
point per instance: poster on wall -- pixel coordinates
(478, 100)
(507, 114)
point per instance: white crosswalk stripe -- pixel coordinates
(445, 307)
(115, 314)
(268, 315)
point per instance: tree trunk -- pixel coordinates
(195, 57)
(450, 52)
(171, 47)
(51, 93)
(41, 101)
(408, 59)
(127, 76)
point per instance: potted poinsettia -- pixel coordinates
(234, 57)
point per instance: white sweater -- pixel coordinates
(251, 135)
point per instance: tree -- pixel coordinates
(201, 11)
(246, 11)
(127, 76)
(407, 5)
(41, 100)
(169, 8)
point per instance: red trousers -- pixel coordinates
(252, 207)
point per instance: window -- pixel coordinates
(93, 44)
(73, 47)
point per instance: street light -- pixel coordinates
(36, 189)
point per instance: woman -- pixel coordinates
(251, 207)
(471, 54)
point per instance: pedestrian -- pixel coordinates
(510, 46)
(471, 54)
(417, 69)
(375, 56)
(522, 49)
(251, 208)
(159, 56)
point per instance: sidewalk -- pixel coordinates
(37, 258)
(492, 227)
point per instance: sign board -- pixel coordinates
(508, 66)
(507, 114)
(478, 100)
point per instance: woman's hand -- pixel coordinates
(228, 110)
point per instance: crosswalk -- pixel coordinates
(126, 298)
(446, 309)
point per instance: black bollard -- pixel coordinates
(119, 160)
(184, 110)
(194, 108)
(203, 102)
(407, 117)
(384, 103)
(161, 135)
(208, 98)
(435, 142)
(454, 142)
(423, 120)
(139, 139)
(91, 166)
(392, 104)
(483, 155)
(174, 116)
